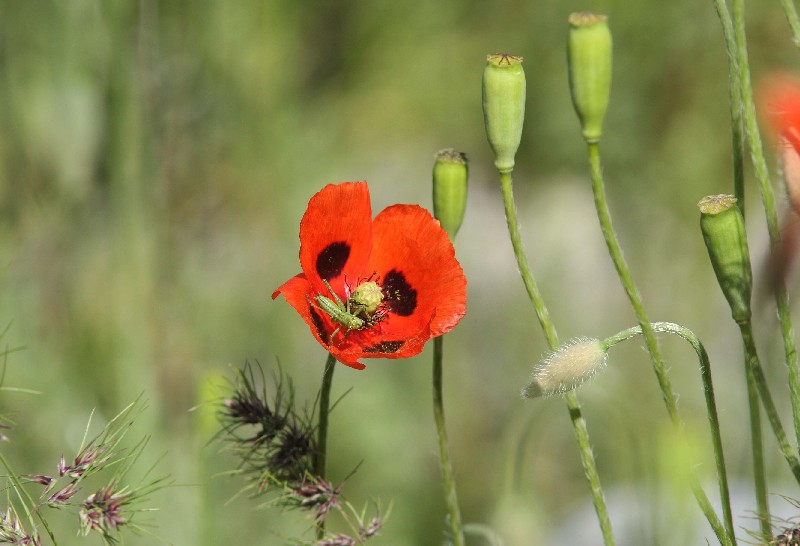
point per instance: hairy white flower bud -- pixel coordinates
(565, 369)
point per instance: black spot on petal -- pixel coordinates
(331, 260)
(384, 347)
(400, 296)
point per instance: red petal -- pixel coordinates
(782, 103)
(298, 293)
(420, 276)
(335, 236)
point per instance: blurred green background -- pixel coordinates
(156, 158)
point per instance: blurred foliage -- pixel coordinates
(156, 157)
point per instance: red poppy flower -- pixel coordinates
(781, 97)
(782, 102)
(374, 288)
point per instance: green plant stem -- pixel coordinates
(578, 422)
(322, 426)
(756, 440)
(768, 200)
(734, 102)
(615, 251)
(713, 421)
(456, 527)
(793, 19)
(754, 364)
(25, 497)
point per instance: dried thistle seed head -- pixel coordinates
(565, 369)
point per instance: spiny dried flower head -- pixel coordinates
(276, 443)
(103, 510)
(249, 405)
(565, 369)
(318, 495)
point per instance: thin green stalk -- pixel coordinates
(324, 410)
(734, 102)
(766, 399)
(456, 528)
(322, 426)
(768, 200)
(713, 421)
(615, 251)
(756, 441)
(793, 19)
(26, 498)
(578, 422)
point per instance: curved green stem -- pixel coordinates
(456, 528)
(522, 262)
(324, 410)
(713, 421)
(734, 101)
(768, 201)
(793, 19)
(756, 440)
(615, 251)
(578, 422)
(760, 382)
(322, 426)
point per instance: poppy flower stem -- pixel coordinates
(615, 251)
(734, 101)
(725, 535)
(755, 374)
(794, 20)
(576, 416)
(456, 528)
(322, 426)
(741, 63)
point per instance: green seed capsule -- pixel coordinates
(589, 59)
(450, 172)
(504, 107)
(726, 240)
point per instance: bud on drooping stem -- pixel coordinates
(568, 367)
(589, 59)
(450, 172)
(504, 107)
(726, 240)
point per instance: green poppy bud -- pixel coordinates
(726, 240)
(504, 107)
(589, 59)
(450, 189)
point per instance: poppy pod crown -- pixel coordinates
(373, 288)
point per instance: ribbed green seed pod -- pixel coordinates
(504, 107)
(450, 172)
(726, 240)
(589, 59)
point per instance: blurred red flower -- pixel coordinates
(781, 102)
(374, 288)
